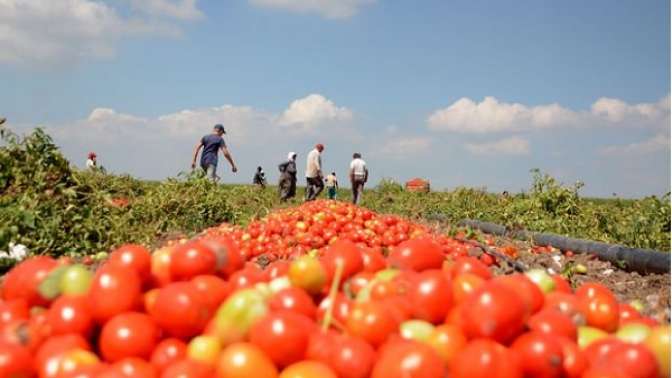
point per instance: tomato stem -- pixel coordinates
(326, 322)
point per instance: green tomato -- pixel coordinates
(386, 274)
(76, 280)
(418, 330)
(637, 305)
(100, 256)
(237, 314)
(204, 349)
(587, 335)
(308, 274)
(633, 332)
(542, 279)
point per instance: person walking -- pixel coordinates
(359, 175)
(287, 183)
(332, 185)
(211, 144)
(91, 163)
(259, 178)
(314, 184)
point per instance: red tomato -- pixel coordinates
(27, 333)
(293, 299)
(133, 368)
(345, 253)
(563, 302)
(132, 256)
(168, 351)
(241, 360)
(22, 281)
(468, 264)
(601, 311)
(591, 290)
(283, 336)
(180, 310)
(229, 256)
(70, 314)
(348, 356)
(540, 354)
(373, 260)
(494, 311)
(213, 289)
(604, 372)
(408, 359)
(114, 290)
(13, 310)
(340, 309)
(553, 322)
(130, 334)
(574, 362)
(187, 368)
(417, 254)
(600, 350)
(192, 259)
(484, 358)
(526, 289)
(15, 361)
(308, 369)
(561, 284)
(634, 360)
(447, 340)
(431, 296)
(358, 282)
(276, 269)
(372, 321)
(464, 284)
(48, 354)
(246, 277)
(627, 313)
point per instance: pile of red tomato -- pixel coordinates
(344, 292)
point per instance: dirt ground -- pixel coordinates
(652, 290)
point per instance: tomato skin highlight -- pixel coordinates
(114, 290)
(416, 254)
(130, 334)
(494, 311)
(541, 355)
(402, 359)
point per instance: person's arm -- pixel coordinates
(228, 157)
(336, 181)
(352, 173)
(196, 150)
(366, 174)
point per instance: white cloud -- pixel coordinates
(402, 147)
(44, 32)
(313, 110)
(332, 9)
(509, 146)
(180, 9)
(492, 115)
(659, 142)
(616, 110)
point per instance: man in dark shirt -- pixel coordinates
(211, 145)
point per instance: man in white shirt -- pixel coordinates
(91, 162)
(359, 174)
(314, 184)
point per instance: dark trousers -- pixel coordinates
(314, 186)
(357, 189)
(287, 186)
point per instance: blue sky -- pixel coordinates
(472, 93)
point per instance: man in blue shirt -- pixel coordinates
(211, 145)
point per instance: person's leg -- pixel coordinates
(292, 188)
(360, 191)
(309, 189)
(319, 184)
(354, 191)
(211, 172)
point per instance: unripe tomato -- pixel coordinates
(447, 340)
(658, 342)
(308, 274)
(129, 334)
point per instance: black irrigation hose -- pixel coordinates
(633, 259)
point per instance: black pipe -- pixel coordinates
(632, 259)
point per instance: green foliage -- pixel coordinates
(53, 209)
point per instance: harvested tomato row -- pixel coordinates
(343, 292)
